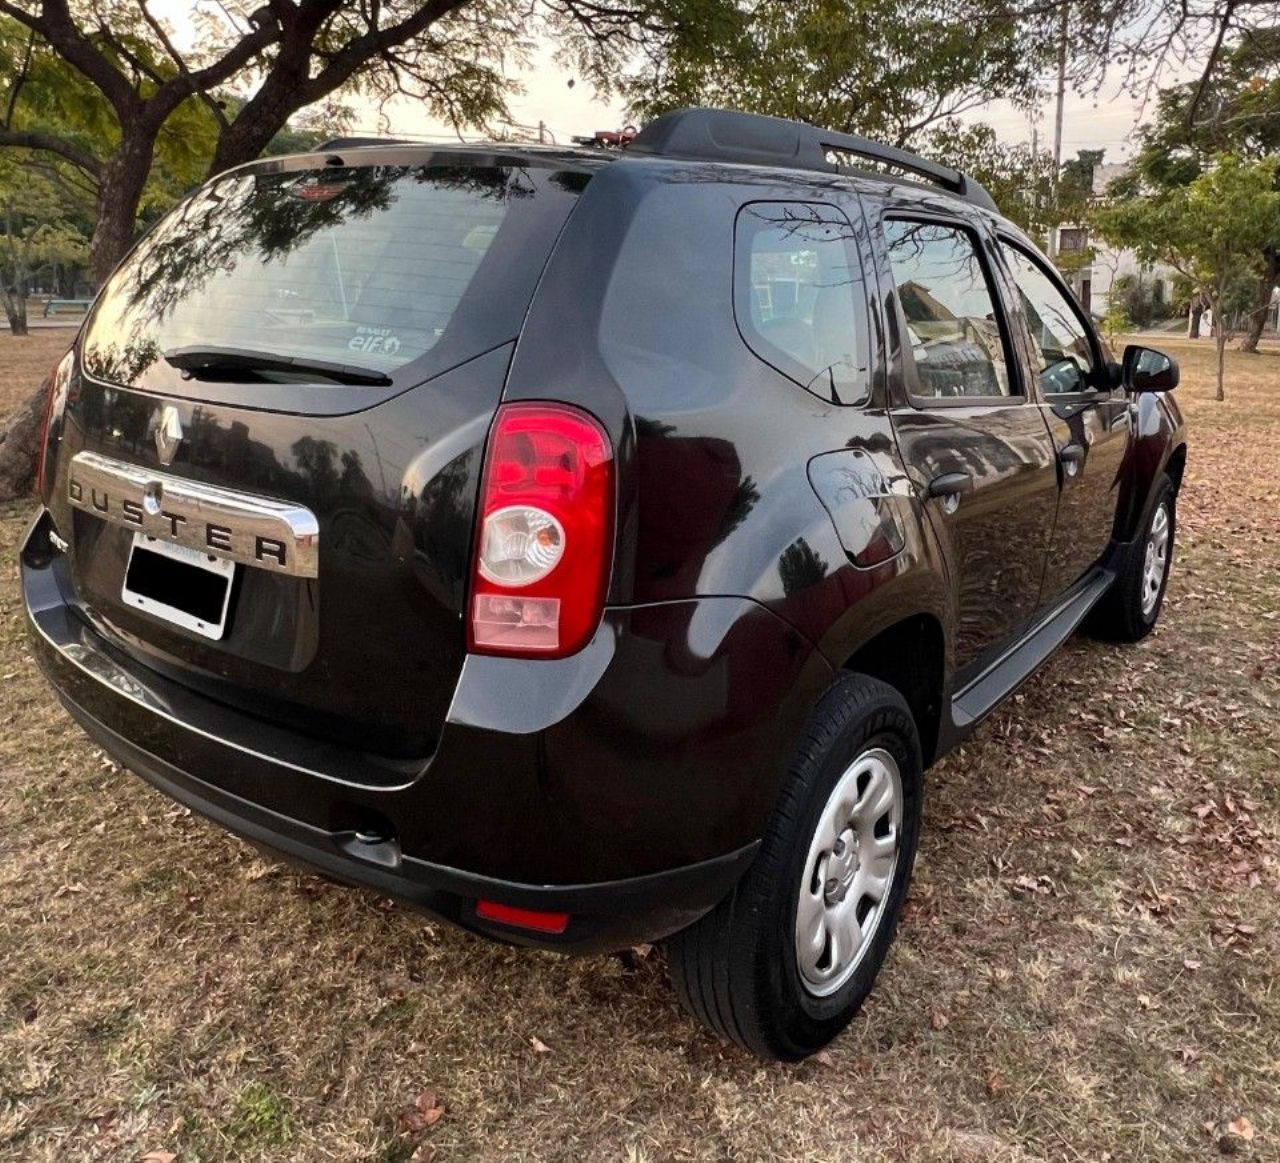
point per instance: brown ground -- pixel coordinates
(1089, 969)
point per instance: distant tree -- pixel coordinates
(38, 233)
(1018, 178)
(1213, 231)
(1238, 111)
(1136, 298)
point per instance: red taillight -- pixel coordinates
(544, 535)
(523, 918)
(58, 380)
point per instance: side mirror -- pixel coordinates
(1148, 370)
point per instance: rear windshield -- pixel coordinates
(372, 267)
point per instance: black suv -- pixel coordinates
(592, 547)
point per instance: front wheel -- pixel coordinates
(1129, 609)
(783, 964)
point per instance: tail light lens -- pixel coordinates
(544, 542)
(54, 399)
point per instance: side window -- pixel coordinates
(950, 312)
(799, 296)
(1058, 335)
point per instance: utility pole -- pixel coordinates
(1057, 122)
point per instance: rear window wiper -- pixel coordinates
(213, 362)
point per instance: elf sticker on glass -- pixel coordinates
(374, 339)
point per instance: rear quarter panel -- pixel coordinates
(734, 480)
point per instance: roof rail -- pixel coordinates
(356, 143)
(752, 139)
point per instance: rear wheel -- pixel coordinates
(782, 965)
(1128, 611)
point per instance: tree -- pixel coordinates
(298, 53)
(1146, 40)
(889, 71)
(1018, 178)
(257, 67)
(1237, 111)
(1213, 231)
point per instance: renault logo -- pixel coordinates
(168, 434)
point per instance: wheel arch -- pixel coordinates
(1177, 465)
(910, 655)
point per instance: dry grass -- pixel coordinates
(1090, 966)
(25, 362)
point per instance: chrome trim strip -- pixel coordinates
(272, 535)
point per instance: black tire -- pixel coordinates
(736, 970)
(1120, 616)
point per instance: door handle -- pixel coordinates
(1072, 457)
(950, 484)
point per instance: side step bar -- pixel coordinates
(1013, 668)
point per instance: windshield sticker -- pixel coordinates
(374, 339)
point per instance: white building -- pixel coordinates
(1093, 283)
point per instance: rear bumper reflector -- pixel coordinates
(539, 922)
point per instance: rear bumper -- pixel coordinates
(610, 915)
(632, 823)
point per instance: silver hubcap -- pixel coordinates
(1156, 564)
(849, 871)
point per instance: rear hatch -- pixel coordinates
(270, 450)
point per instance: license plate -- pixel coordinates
(179, 585)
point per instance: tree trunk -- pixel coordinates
(18, 448)
(1194, 316)
(119, 191)
(15, 309)
(251, 132)
(1262, 301)
(1220, 334)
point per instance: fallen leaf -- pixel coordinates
(1242, 1128)
(430, 1106)
(427, 1110)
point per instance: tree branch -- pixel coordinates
(24, 139)
(1209, 64)
(210, 101)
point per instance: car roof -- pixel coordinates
(786, 150)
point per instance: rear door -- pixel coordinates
(974, 440)
(1087, 415)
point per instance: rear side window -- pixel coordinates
(949, 309)
(799, 297)
(367, 266)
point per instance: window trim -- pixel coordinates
(1013, 364)
(1103, 388)
(770, 354)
